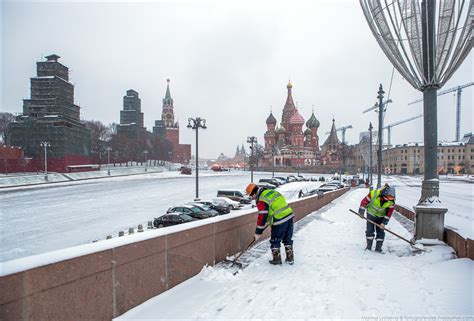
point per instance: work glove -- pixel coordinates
(361, 212)
(382, 226)
(257, 237)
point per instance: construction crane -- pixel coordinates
(377, 106)
(458, 90)
(343, 129)
(389, 127)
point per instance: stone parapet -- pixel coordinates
(105, 284)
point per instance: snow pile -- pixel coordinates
(333, 277)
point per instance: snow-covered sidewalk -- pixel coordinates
(333, 277)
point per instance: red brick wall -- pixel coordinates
(104, 285)
(10, 152)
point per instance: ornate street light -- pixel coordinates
(370, 154)
(146, 159)
(426, 41)
(196, 123)
(108, 149)
(45, 145)
(252, 140)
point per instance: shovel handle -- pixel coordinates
(245, 250)
(383, 228)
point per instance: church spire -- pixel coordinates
(168, 94)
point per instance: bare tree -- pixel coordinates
(5, 120)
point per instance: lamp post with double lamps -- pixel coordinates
(370, 155)
(252, 140)
(146, 159)
(108, 149)
(196, 123)
(45, 145)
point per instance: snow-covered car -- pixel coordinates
(172, 219)
(234, 195)
(327, 188)
(205, 208)
(192, 210)
(220, 208)
(272, 181)
(315, 191)
(282, 180)
(230, 204)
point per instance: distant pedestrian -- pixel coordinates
(274, 211)
(300, 194)
(379, 204)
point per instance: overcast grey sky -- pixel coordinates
(228, 62)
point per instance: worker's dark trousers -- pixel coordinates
(371, 228)
(282, 232)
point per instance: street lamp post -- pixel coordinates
(45, 145)
(146, 160)
(108, 149)
(196, 123)
(273, 161)
(370, 155)
(169, 160)
(298, 156)
(380, 136)
(252, 140)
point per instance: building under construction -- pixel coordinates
(50, 115)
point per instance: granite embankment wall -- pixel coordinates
(105, 284)
(463, 247)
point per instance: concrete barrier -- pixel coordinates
(463, 247)
(105, 284)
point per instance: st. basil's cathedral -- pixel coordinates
(288, 145)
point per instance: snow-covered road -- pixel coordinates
(333, 277)
(44, 218)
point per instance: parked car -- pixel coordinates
(172, 219)
(235, 195)
(205, 208)
(302, 178)
(281, 179)
(230, 204)
(291, 178)
(219, 207)
(315, 191)
(313, 179)
(191, 210)
(322, 179)
(273, 181)
(186, 170)
(327, 188)
(266, 185)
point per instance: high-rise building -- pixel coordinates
(132, 109)
(50, 115)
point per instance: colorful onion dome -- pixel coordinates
(312, 122)
(271, 120)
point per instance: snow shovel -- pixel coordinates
(386, 229)
(234, 261)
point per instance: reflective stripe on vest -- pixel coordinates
(374, 206)
(278, 207)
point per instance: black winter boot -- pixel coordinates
(378, 246)
(276, 257)
(289, 254)
(369, 244)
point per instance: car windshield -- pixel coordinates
(196, 209)
(186, 217)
